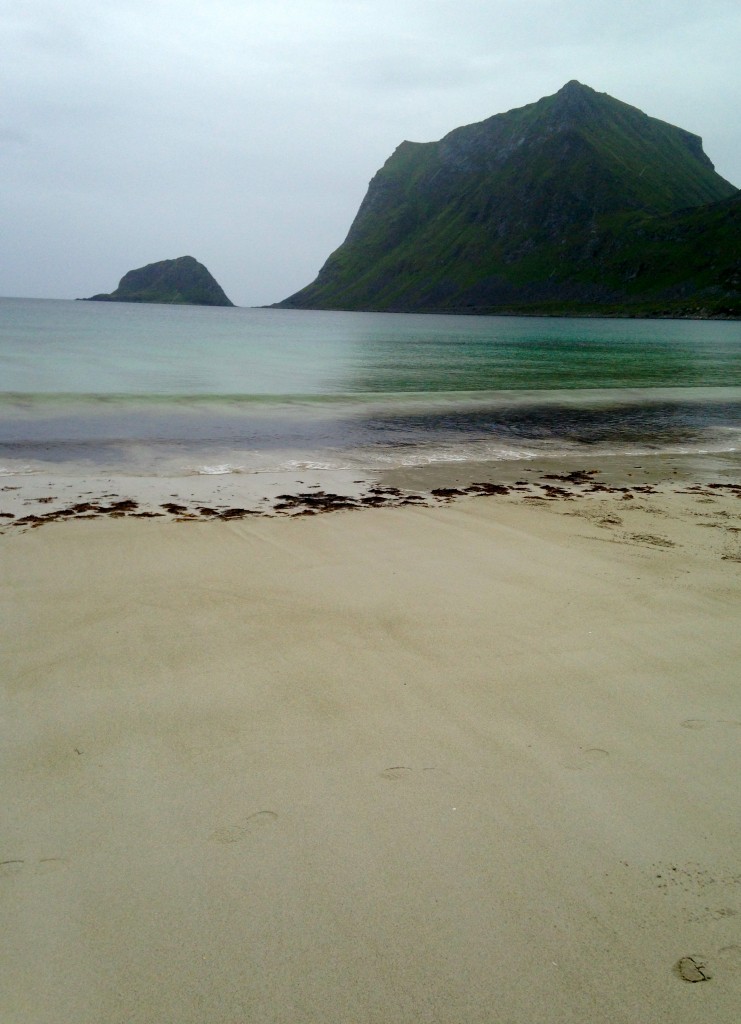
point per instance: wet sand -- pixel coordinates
(475, 760)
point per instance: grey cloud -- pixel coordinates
(245, 132)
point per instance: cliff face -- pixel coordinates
(562, 205)
(183, 281)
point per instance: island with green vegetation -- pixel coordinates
(578, 204)
(183, 281)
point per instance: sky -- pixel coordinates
(245, 133)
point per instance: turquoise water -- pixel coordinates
(156, 389)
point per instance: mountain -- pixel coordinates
(578, 203)
(183, 281)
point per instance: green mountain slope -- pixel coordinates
(561, 205)
(183, 281)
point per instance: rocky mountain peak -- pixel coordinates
(575, 200)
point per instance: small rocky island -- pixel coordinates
(183, 281)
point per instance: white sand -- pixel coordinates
(470, 764)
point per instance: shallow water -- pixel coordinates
(172, 390)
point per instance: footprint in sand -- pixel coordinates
(587, 757)
(397, 773)
(693, 968)
(652, 540)
(703, 723)
(48, 864)
(696, 968)
(11, 867)
(41, 867)
(401, 772)
(722, 912)
(236, 833)
(730, 958)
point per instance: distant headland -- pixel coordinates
(183, 281)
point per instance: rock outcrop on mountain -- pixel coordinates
(183, 281)
(578, 203)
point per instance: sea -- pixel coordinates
(155, 390)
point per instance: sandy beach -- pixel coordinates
(472, 761)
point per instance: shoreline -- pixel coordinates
(570, 314)
(32, 500)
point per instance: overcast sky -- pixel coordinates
(244, 132)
